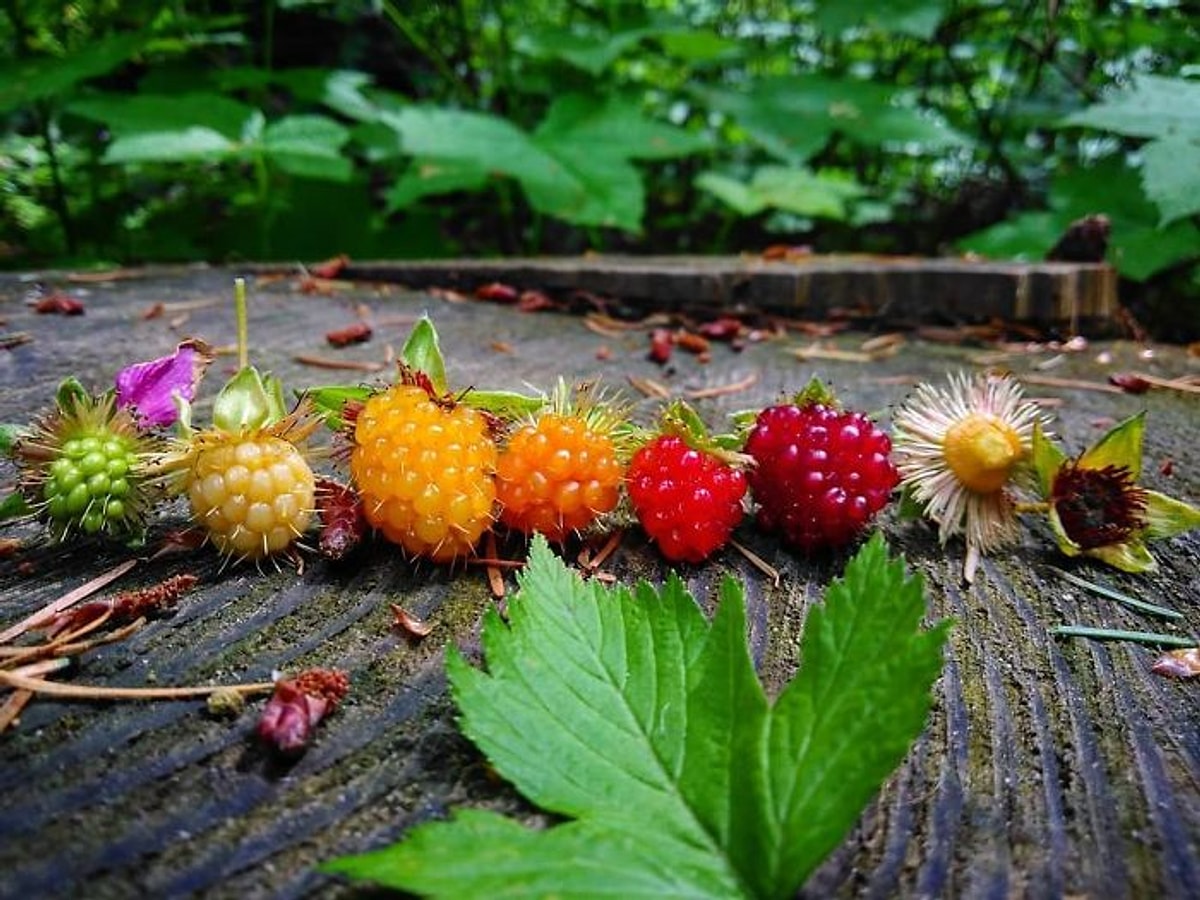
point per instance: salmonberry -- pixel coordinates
(82, 468)
(821, 473)
(253, 493)
(425, 471)
(688, 500)
(559, 473)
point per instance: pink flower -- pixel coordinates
(150, 388)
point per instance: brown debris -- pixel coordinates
(330, 268)
(358, 333)
(123, 608)
(721, 390)
(349, 365)
(408, 623)
(58, 304)
(1178, 663)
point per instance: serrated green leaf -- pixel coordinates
(431, 177)
(1171, 176)
(628, 713)
(1153, 106)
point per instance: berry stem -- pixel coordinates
(243, 329)
(1039, 508)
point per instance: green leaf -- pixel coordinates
(1167, 517)
(627, 713)
(423, 352)
(1048, 458)
(14, 505)
(185, 145)
(330, 400)
(128, 115)
(795, 190)
(792, 117)
(700, 47)
(428, 177)
(1153, 107)
(308, 146)
(593, 52)
(22, 82)
(1171, 176)
(505, 404)
(919, 18)
(579, 124)
(1121, 445)
(10, 434)
(1131, 556)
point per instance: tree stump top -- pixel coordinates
(1050, 766)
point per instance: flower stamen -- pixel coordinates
(982, 450)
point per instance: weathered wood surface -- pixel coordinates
(1049, 768)
(892, 288)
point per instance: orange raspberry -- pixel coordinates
(557, 475)
(424, 471)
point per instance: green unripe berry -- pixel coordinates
(92, 521)
(78, 499)
(119, 487)
(94, 462)
(114, 510)
(98, 484)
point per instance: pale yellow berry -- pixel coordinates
(254, 494)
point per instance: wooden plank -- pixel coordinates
(1049, 768)
(895, 289)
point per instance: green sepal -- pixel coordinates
(681, 420)
(250, 400)
(909, 508)
(1047, 458)
(423, 352)
(10, 435)
(1167, 517)
(1120, 446)
(816, 391)
(70, 394)
(1131, 556)
(1065, 544)
(14, 505)
(505, 404)
(330, 401)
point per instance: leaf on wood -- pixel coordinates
(644, 726)
(408, 623)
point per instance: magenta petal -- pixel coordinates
(149, 387)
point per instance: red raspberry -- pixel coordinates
(821, 473)
(687, 500)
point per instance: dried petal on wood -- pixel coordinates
(1129, 383)
(358, 333)
(330, 268)
(534, 301)
(298, 705)
(661, 342)
(1178, 663)
(497, 292)
(692, 343)
(59, 304)
(408, 623)
(725, 328)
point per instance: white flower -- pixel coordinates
(958, 449)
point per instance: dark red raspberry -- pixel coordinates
(821, 473)
(687, 500)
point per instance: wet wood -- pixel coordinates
(894, 289)
(1050, 767)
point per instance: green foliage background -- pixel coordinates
(136, 131)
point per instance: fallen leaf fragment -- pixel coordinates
(358, 333)
(1178, 663)
(330, 268)
(1129, 383)
(408, 623)
(58, 304)
(497, 292)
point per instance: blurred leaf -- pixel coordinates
(578, 124)
(24, 81)
(308, 146)
(919, 18)
(430, 177)
(1139, 247)
(185, 145)
(775, 187)
(125, 114)
(699, 46)
(1171, 176)
(792, 117)
(591, 52)
(1154, 107)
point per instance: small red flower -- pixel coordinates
(298, 705)
(1098, 507)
